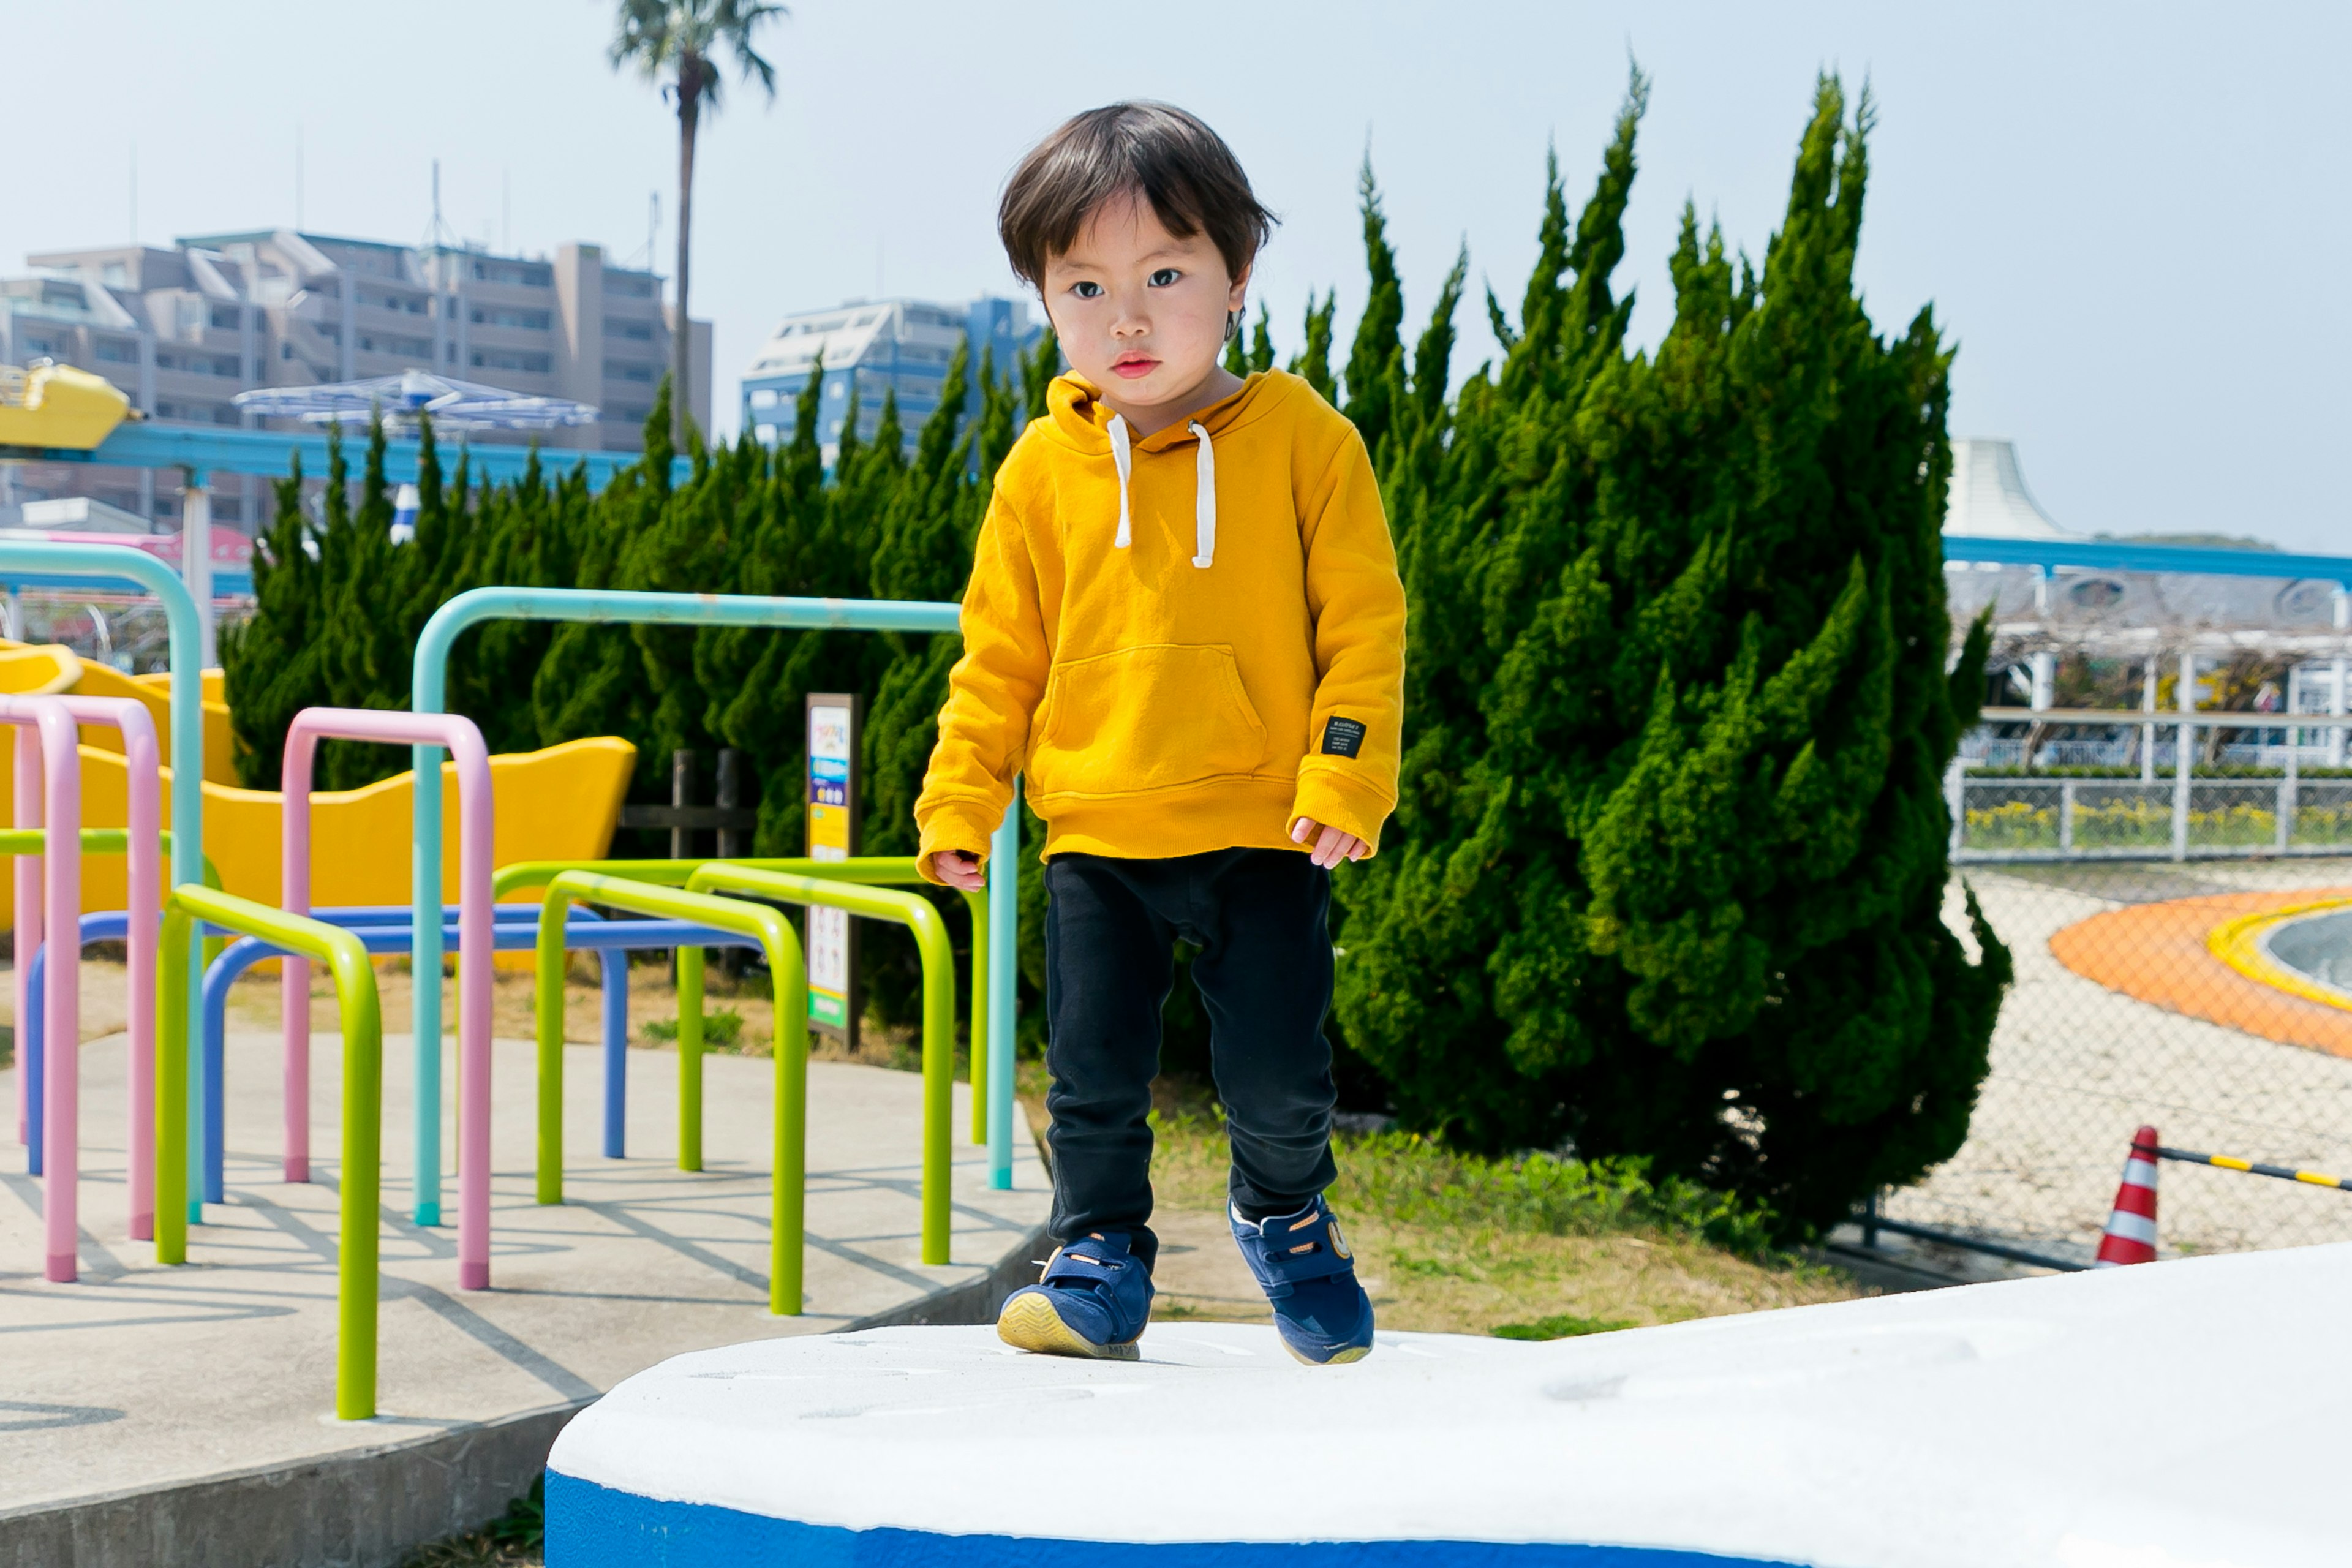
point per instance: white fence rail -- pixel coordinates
(2184, 815)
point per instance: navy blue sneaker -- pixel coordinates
(1093, 1300)
(1303, 1264)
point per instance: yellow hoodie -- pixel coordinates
(1186, 642)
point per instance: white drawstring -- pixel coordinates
(1204, 503)
(1121, 460)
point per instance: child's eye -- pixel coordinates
(1164, 277)
(1087, 290)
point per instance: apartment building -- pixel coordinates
(880, 346)
(183, 330)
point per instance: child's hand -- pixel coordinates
(1331, 848)
(957, 869)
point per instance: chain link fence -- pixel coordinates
(2130, 1008)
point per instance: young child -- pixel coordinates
(1184, 626)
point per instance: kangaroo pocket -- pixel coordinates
(1149, 718)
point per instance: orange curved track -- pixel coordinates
(2157, 954)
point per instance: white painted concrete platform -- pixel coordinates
(142, 1379)
(2179, 1414)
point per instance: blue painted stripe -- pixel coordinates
(593, 1526)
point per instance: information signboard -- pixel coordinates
(835, 720)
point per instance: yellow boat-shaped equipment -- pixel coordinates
(57, 405)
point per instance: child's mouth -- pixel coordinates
(1135, 369)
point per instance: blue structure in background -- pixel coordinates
(880, 347)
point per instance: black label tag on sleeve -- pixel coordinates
(1342, 737)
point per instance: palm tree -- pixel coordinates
(672, 43)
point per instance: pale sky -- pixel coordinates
(2132, 219)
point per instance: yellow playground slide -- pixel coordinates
(52, 669)
(558, 804)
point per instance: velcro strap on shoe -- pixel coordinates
(1285, 1258)
(1071, 1267)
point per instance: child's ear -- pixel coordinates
(1235, 295)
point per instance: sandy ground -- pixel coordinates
(2076, 1067)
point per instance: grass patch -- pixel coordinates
(1406, 1180)
(1561, 1326)
(722, 1028)
(1456, 1243)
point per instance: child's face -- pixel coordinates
(1140, 312)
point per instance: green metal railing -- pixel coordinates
(107, 841)
(94, 841)
(917, 915)
(776, 935)
(865, 871)
(363, 1026)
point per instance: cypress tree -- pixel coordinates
(1375, 362)
(1313, 363)
(759, 678)
(1261, 349)
(270, 659)
(1667, 873)
(592, 681)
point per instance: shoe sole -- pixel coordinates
(1030, 1323)
(1336, 1357)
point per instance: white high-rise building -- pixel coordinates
(881, 346)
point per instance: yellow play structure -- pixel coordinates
(46, 404)
(560, 804)
(48, 669)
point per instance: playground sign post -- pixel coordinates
(834, 731)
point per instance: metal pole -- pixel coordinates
(2148, 731)
(196, 560)
(734, 844)
(2343, 672)
(2066, 816)
(2186, 702)
(1956, 786)
(120, 563)
(2288, 791)
(681, 840)
(1003, 975)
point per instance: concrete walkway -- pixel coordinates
(141, 1378)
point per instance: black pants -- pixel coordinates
(1259, 918)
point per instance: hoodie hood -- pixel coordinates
(1078, 417)
(1082, 419)
(1157, 708)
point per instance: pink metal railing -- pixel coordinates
(143, 874)
(47, 727)
(474, 944)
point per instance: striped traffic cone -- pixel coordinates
(2130, 1234)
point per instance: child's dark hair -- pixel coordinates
(1183, 168)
